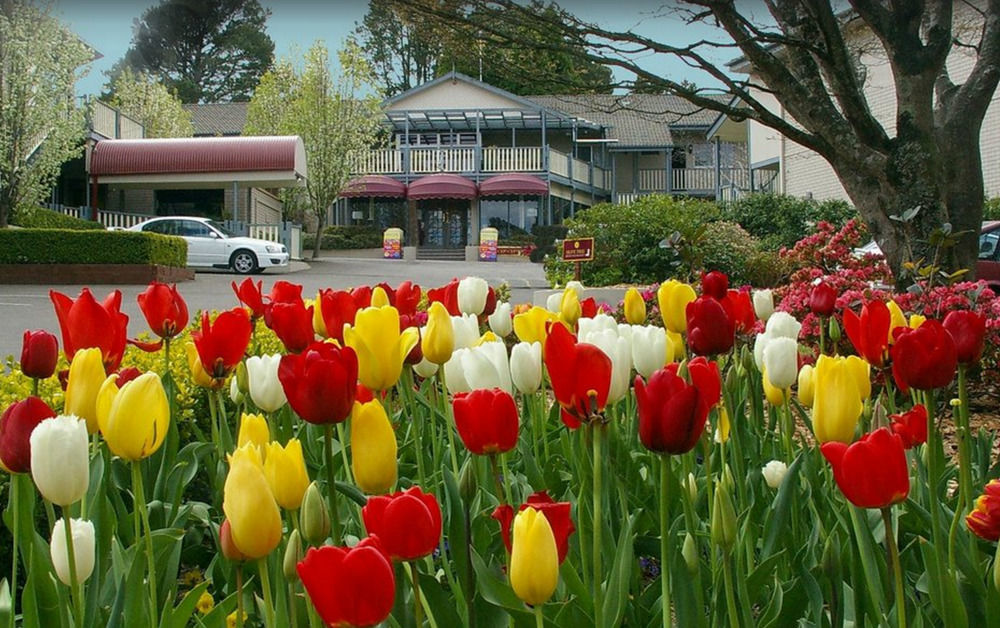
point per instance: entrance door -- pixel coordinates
(444, 224)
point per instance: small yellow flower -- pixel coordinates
(206, 603)
(231, 619)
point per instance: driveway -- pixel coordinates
(29, 307)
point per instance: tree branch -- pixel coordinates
(973, 97)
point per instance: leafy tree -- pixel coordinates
(912, 178)
(203, 50)
(403, 49)
(40, 125)
(330, 115)
(151, 103)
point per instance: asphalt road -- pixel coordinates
(29, 307)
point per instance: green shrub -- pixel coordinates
(39, 218)
(66, 246)
(627, 239)
(780, 220)
(346, 237)
(767, 269)
(991, 209)
(727, 246)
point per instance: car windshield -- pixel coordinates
(218, 227)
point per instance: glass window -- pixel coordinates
(988, 244)
(192, 229)
(495, 213)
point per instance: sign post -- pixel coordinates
(578, 250)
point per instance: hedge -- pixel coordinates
(346, 237)
(66, 246)
(38, 218)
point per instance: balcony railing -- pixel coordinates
(692, 179)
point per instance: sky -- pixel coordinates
(295, 24)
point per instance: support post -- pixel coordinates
(93, 199)
(236, 202)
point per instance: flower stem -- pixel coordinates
(934, 472)
(598, 436)
(16, 534)
(962, 416)
(727, 577)
(74, 582)
(265, 585)
(34, 393)
(140, 505)
(449, 421)
(291, 605)
(331, 484)
(539, 618)
(890, 541)
(418, 610)
(343, 452)
(506, 479)
(665, 479)
(497, 486)
(239, 595)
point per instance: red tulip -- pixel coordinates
(580, 375)
(338, 309)
(911, 426)
(126, 375)
(871, 472)
(672, 412)
(86, 323)
(407, 523)
(164, 309)
(407, 298)
(822, 299)
(221, 344)
(39, 354)
(16, 425)
(704, 374)
(285, 292)
(362, 296)
(486, 420)
(349, 586)
(491, 304)
(714, 284)
(291, 321)
(739, 307)
(984, 520)
(710, 329)
(321, 382)
(557, 514)
(968, 329)
(924, 358)
(588, 308)
(447, 295)
(362, 394)
(869, 333)
(250, 296)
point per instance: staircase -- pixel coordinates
(451, 255)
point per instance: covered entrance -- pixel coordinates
(444, 224)
(440, 205)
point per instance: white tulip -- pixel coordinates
(577, 287)
(620, 353)
(554, 302)
(758, 350)
(487, 366)
(599, 322)
(454, 373)
(83, 549)
(781, 359)
(526, 366)
(425, 369)
(650, 349)
(466, 330)
(783, 324)
(472, 293)
(266, 390)
(763, 304)
(234, 391)
(60, 459)
(774, 473)
(500, 320)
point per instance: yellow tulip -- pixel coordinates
(673, 297)
(135, 418)
(381, 347)
(198, 372)
(676, 341)
(438, 342)
(489, 336)
(896, 319)
(534, 558)
(916, 320)
(530, 326)
(285, 470)
(806, 385)
(836, 400)
(319, 325)
(254, 430)
(862, 375)
(379, 297)
(373, 448)
(722, 430)
(86, 376)
(775, 396)
(570, 309)
(254, 518)
(635, 307)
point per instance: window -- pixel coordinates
(193, 229)
(703, 155)
(165, 227)
(511, 216)
(435, 139)
(988, 244)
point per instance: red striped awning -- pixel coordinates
(197, 155)
(374, 185)
(513, 183)
(441, 186)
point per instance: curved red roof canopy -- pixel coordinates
(441, 186)
(513, 183)
(374, 185)
(272, 161)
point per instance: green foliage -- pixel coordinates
(39, 218)
(64, 246)
(143, 97)
(346, 237)
(403, 49)
(627, 239)
(727, 246)
(202, 51)
(40, 125)
(781, 220)
(991, 208)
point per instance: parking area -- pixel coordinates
(29, 307)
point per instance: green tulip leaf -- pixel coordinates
(616, 594)
(776, 525)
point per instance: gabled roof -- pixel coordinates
(213, 119)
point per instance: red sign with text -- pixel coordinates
(578, 249)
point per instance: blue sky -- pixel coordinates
(295, 24)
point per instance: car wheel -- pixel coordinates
(243, 262)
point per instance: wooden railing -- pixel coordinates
(383, 161)
(426, 160)
(558, 163)
(692, 179)
(107, 121)
(509, 159)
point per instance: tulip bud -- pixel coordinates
(534, 559)
(39, 354)
(500, 320)
(60, 459)
(261, 378)
(834, 330)
(806, 393)
(472, 293)
(467, 483)
(996, 569)
(86, 376)
(315, 520)
(570, 309)
(690, 553)
(293, 554)
(134, 418)
(763, 304)
(691, 485)
(774, 473)
(635, 307)
(373, 448)
(723, 528)
(438, 337)
(727, 478)
(242, 377)
(526, 366)
(83, 549)
(234, 392)
(285, 470)
(747, 359)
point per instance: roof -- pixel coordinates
(222, 118)
(635, 120)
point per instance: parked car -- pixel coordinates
(988, 266)
(210, 245)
